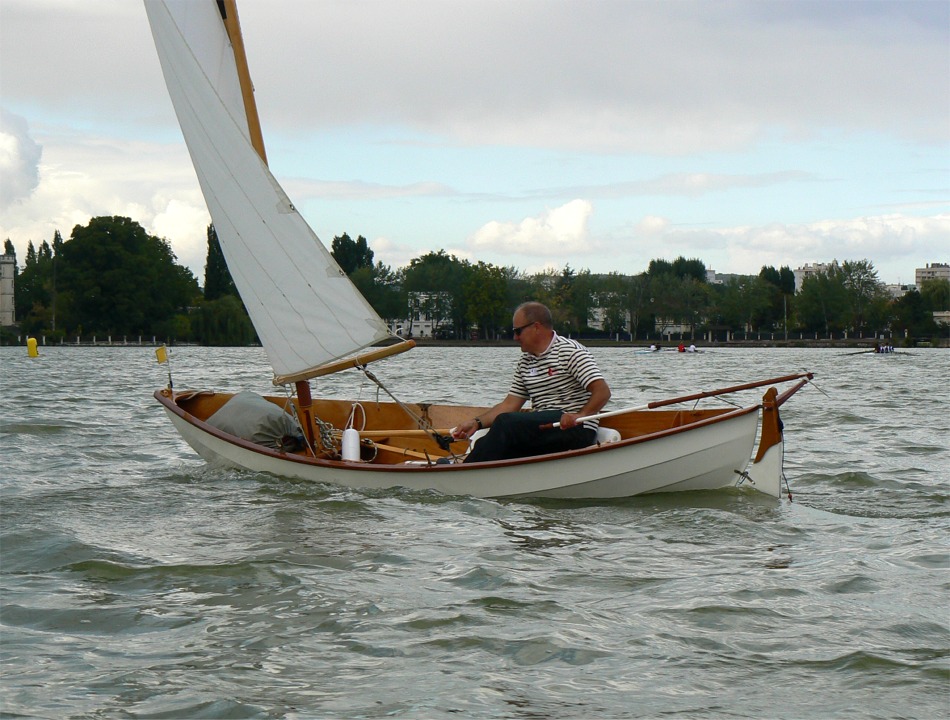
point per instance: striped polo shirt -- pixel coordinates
(558, 378)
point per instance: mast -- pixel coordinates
(229, 14)
(306, 311)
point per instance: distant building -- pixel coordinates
(897, 291)
(808, 270)
(7, 307)
(428, 312)
(933, 271)
(714, 278)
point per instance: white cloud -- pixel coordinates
(651, 77)
(19, 159)
(554, 232)
(83, 176)
(655, 77)
(894, 243)
(652, 225)
(185, 225)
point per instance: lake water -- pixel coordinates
(139, 583)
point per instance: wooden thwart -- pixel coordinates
(372, 434)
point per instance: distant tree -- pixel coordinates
(752, 299)
(659, 268)
(788, 280)
(382, 288)
(34, 288)
(935, 294)
(121, 280)
(486, 299)
(692, 268)
(222, 322)
(613, 300)
(436, 282)
(912, 318)
(218, 280)
(771, 275)
(351, 255)
(638, 301)
(867, 296)
(666, 299)
(21, 293)
(681, 268)
(823, 303)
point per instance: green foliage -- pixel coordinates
(613, 299)
(822, 302)
(680, 268)
(222, 322)
(112, 278)
(847, 297)
(867, 296)
(351, 255)
(745, 303)
(218, 280)
(382, 289)
(658, 268)
(439, 281)
(486, 299)
(935, 295)
(119, 280)
(781, 289)
(912, 317)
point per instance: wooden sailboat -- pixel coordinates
(312, 322)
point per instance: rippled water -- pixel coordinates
(139, 583)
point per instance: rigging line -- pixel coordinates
(788, 488)
(441, 440)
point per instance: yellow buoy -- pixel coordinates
(31, 347)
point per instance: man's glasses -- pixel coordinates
(516, 331)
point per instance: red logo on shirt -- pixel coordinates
(551, 371)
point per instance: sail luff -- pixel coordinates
(232, 25)
(305, 309)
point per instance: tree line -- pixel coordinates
(112, 278)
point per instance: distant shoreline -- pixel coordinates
(849, 344)
(858, 344)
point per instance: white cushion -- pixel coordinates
(606, 436)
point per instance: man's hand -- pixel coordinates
(465, 430)
(569, 420)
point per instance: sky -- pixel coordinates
(598, 134)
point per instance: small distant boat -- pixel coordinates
(312, 322)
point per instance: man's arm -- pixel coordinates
(599, 395)
(511, 403)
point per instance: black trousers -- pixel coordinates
(519, 434)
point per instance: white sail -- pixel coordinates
(304, 308)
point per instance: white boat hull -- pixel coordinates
(710, 455)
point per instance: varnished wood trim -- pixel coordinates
(346, 363)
